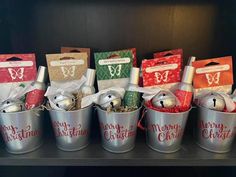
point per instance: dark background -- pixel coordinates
(205, 29)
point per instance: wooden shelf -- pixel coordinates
(94, 155)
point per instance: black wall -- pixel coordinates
(202, 28)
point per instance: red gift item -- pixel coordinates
(186, 97)
(17, 68)
(160, 71)
(175, 109)
(213, 72)
(34, 98)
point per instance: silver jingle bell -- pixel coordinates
(213, 101)
(111, 99)
(64, 101)
(11, 105)
(164, 99)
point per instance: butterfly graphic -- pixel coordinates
(68, 71)
(115, 70)
(161, 77)
(18, 73)
(213, 78)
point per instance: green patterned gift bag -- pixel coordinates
(113, 68)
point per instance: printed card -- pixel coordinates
(77, 50)
(162, 72)
(169, 53)
(17, 68)
(113, 68)
(214, 74)
(66, 66)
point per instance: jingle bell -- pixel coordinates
(111, 99)
(11, 105)
(213, 101)
(164, 99)
(64, 101)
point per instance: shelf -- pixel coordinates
(94, 155)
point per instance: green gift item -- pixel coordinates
(132, 98)
(113, 68)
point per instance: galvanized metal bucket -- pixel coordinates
(164, 131)
(22, 131)
(216, 130)
(71, 128)
(118, 130)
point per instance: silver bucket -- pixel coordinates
(164, 130)
(71, 128)
(216, 130)
(22, 131)
(118, 130)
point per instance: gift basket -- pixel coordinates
(117, 105)
(68, 85)
(168, 102)
(216, 107)
(21, 99)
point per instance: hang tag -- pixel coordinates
(113, 68)
(77, 50)
(162, 72)
(213, 74)
(69, 87)
(66, 66)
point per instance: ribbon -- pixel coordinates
(66, 87)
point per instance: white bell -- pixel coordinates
(213, 101)
(164, 99)
(111, 99)
(64, 101)
(12, 106)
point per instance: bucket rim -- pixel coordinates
(21, 112)
(218, 112)
(170, 113)
(100, 109)
(78, 110)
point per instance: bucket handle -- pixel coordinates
(140, 121)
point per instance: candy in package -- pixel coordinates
(113, 68)
(66, 67)
(213, 74)
(16, 71)
(162, 72)
(77, 50)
